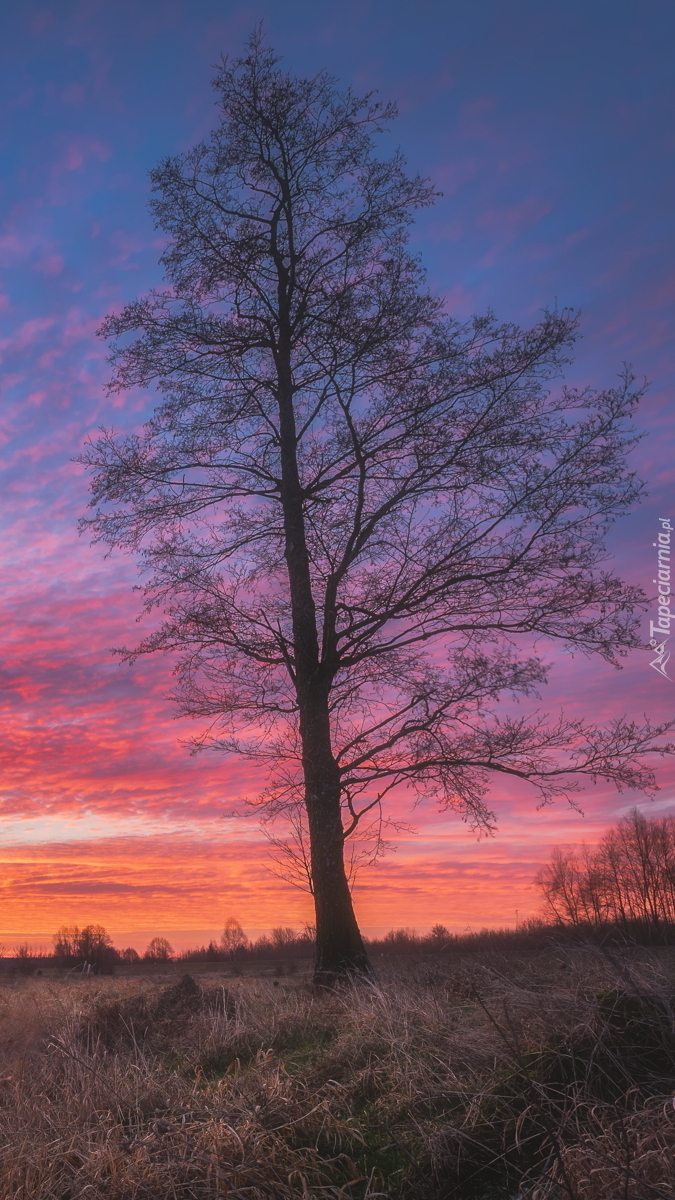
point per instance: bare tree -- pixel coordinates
(159, 949)
(356, 513)
(66, 941)
(91, 943)
(627, 880)
(233, 939)
(283, 937)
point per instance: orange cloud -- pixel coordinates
(128, 883)
(186, 881)
(190, 885)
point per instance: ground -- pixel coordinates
(546, 1074)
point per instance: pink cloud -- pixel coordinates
(46, 361)
(52, 264)
(73, 94)
(16, 245)
(472, 123)
(506, 224)
(80, 327)
(579, 235)
(41, 21)
(79, 151)
(27, 334)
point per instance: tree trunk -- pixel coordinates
(340, 949)
(339, 945)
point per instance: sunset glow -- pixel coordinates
(549, 138)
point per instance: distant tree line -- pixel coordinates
(626, 882)
(234, 946)
(91, 946)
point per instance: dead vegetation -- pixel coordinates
(549, 1076)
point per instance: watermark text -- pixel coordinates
(659, 630)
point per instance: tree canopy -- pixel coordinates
(362, 518)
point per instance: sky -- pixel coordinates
(549, 130)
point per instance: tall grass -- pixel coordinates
(547, 1075)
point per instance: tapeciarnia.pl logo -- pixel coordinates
(661, 626)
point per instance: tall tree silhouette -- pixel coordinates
(353, 509)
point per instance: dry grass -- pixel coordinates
(629, 1156)
(548, 1076)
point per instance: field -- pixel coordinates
(545, 1074)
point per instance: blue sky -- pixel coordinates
(549, 130)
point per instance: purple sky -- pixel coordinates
(550, 131)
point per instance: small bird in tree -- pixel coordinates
(357, 513)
